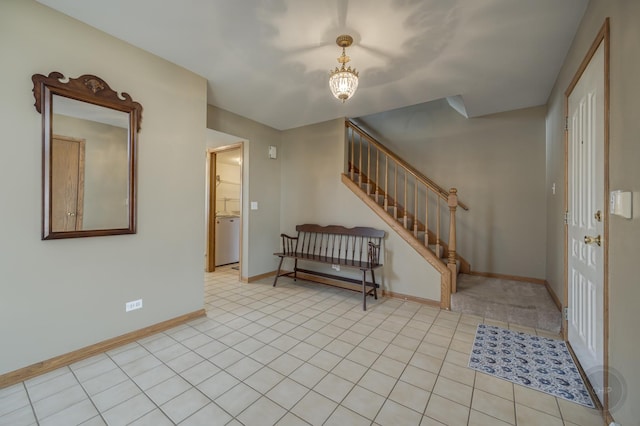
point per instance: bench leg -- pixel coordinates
(295, 269)
(364, 289)
(373, 279)
(278, 273)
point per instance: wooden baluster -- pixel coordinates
(426, 217)
(405, 200)
(395, 192)
(368, 168)
(360, 162)
(386, 183)
(353, 155)
(438, 227)
(452, 201)
(377, 179)
(415, 207)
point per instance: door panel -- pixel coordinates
(585, 226)
(67, 183)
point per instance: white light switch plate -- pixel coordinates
(620, 203)
(254, 205)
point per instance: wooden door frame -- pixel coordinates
(212, 206)
(603, 38)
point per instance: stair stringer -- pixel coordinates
(426, 253)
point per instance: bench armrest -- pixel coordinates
(289, 243)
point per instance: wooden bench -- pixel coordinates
(354, 248)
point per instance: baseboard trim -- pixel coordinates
(553, 295)
(258, 277)
(608, 418)
(51, 364)
(357, 288)
(508, 277)
(430, 302)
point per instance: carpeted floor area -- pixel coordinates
(516, 302)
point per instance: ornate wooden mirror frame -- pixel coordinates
(89, 140)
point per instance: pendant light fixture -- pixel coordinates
(343, 82)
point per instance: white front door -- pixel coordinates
(585, 220)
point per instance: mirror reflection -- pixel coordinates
(89, 166)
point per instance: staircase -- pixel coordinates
(420, 211)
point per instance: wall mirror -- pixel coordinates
(89, 136)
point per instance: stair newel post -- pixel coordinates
(386, 183)
(452, 201)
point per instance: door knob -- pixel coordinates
(592, 240)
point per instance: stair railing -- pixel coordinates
(414, 199)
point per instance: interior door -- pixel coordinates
(585, 220)
(67, 183)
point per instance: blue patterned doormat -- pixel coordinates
(536, 362)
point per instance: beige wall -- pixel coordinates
(261, 183)
(624, 150)
(61, 295)
(497, 164)
(312, 192)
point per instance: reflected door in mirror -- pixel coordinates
(67, 183)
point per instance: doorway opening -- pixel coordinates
(224, 208)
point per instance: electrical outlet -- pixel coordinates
(133, 305)
(336, 267)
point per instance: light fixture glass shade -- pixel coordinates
(343, 83)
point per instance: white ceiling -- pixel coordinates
(268, 60)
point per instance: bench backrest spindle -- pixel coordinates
(359, 246)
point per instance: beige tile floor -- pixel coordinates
(298, 354)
